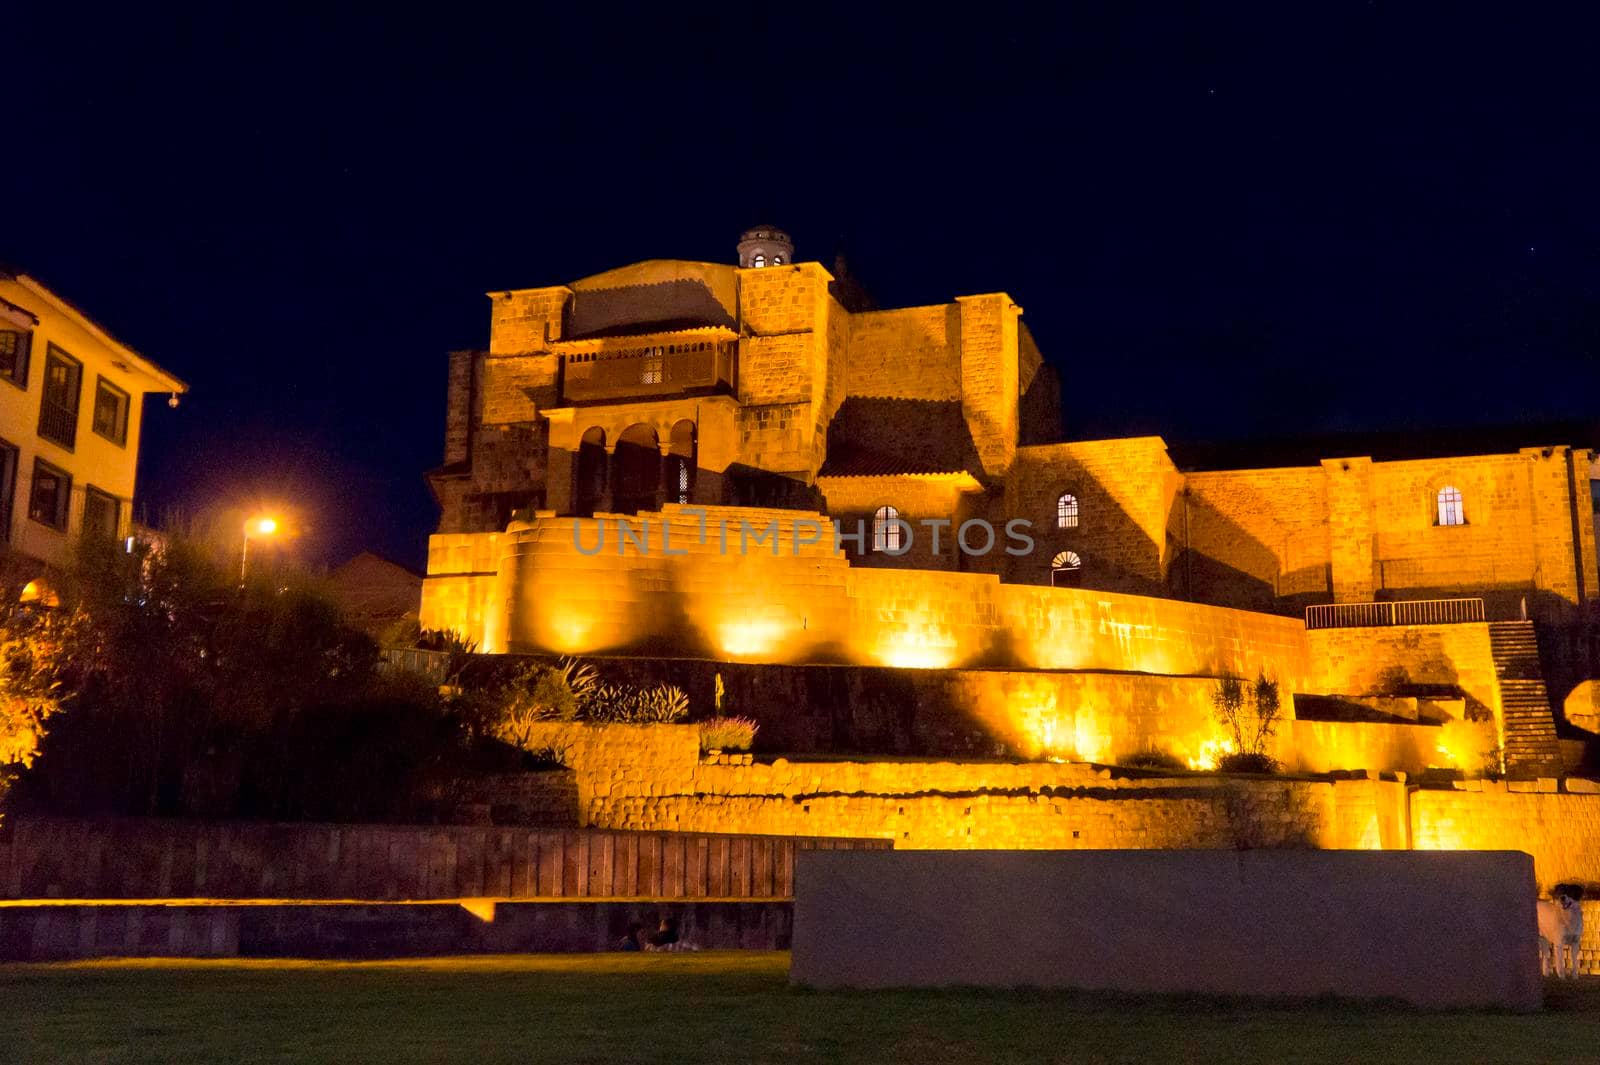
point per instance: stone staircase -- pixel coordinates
(1531, 748)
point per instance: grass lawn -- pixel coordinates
(734, 1008)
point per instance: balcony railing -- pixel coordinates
(58, 423)
(1403, 612)
(650, 370)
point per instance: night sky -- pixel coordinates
(1220, 223)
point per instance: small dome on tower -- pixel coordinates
(765, 246)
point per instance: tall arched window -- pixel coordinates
(1450, 512)
(1067, 512)
(683, 481)
(759, 261)
(886, 530)
(1066, 569)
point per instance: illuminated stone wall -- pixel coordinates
(1124, 490)
(1254, 537)
(632, 777)
(734, 597)
(910, 353)
(1560, 830)
(1079, 673)
(1387, 661)
(1354, 529)
(635, 777)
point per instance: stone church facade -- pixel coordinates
(778, 385)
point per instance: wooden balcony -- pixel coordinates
(698, 366)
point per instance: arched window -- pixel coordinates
(759, 261)
(1066, 569)
(777, 260)
(1450, 512)
(886, 530)
(1067, 511)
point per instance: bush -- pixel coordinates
(1154, 759)
(1247, 762)
(570, 691)
(1249, 712)
(547, 757)
(619, 704)
(727, 734)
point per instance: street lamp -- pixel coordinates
(259, 528)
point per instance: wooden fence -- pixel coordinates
(136, 858)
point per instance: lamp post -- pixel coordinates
(260, 527)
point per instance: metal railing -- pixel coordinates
(58, 423)
(1403, 612)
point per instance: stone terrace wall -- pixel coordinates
(805, 604)
(1561, 831)
(651, 777)
(1375, 661)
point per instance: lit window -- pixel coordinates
(1450, 512)
(759, 261)
(51, 495)
(1067, 512)
(111, 412)
(14, 345)
(652, 372)
(886, 530)
(777, 260)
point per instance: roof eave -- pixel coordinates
(164, 381)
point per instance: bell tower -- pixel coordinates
(765, 246)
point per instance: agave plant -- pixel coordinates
(663, 704)
(582, 680)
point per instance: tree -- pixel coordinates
(32, 654)
(1250, 713)
(174, 667)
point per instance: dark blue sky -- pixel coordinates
(1248, 220)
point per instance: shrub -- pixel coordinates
(727, 734)
(1247, 762)
(547, 756)
(1250, 714)
(535, 694)
(624, 705)
(1154, 759)
(665, 703)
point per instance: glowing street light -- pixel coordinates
(259, 528)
